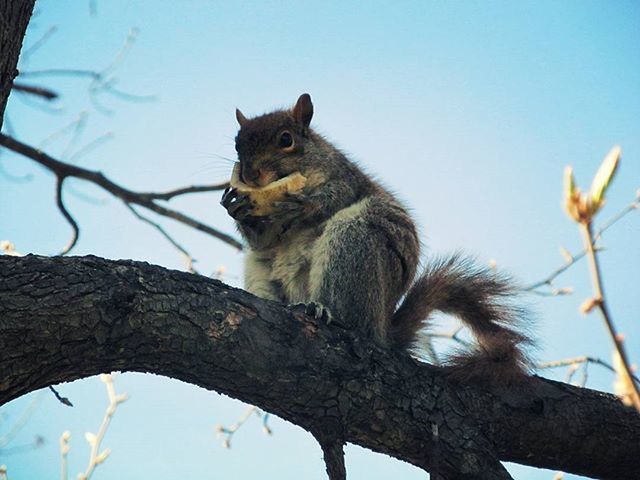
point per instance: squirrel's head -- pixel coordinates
(270, 146)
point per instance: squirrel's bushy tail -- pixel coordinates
(480, 298)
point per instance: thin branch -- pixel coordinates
(37, 442)
(24, 56)
(21, 421)
(188, 258)
(77, 126)
(63, 170)
(94, 440)
(634, 205)
(426, 344)
(122, 54)
(554, 292)
(265, 422)
(61, 399)
(571, 372)
(109, 86)
(92, 145)
(64, 452)
(228, 432)
(37, 91)
(62, 72)
(570, 361)
(101, 81)
(65, 213)
(601, 305)
(78, 129)
(27, 99)
(452, 335)
(182, 191)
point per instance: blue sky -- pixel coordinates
(469, 111)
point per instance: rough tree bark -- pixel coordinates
(14, 18)
(66, 318)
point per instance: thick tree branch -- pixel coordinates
(63, 170)
(66, 318)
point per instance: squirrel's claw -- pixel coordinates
(227, 196)
(238, 206)
(315, 310)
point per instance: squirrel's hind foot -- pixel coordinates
(315, 310)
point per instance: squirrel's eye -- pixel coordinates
(285, 140)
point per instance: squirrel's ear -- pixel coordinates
(303, 111)
(240, 117)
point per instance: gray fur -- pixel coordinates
(346, 243)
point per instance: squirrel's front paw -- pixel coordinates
(239, 206)
(314, 309)
(291, 206)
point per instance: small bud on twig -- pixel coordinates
(588, 305)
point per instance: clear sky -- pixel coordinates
(468, 110)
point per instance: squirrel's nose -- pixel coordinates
(248, 175)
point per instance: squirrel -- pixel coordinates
(345, 248)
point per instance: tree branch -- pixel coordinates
(65, 318)
(75, 234)
(45, 93)
(63, 170)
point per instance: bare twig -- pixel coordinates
(182, 191)
(634, 205)
(601, 305)
(27, 99)
(61, 72)
(37, 91)
(96, 457)
(63, 170)
(65, 213)
(92, 145)
(265, 422)
(37, 442)
(228, 432)
(426, 344)
(24, 417)
(76, 126)
(26, 54)
(101, 81)
(64, 452)
(572, 259)
(571, 372)
(61, 399)
(576, 360)
(451, 335)
(187, 256)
